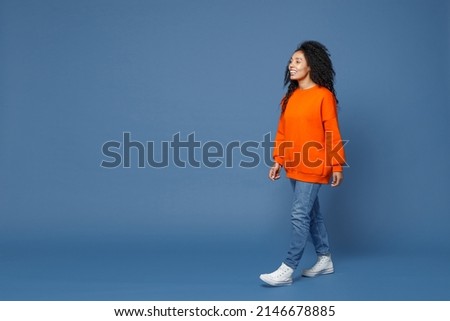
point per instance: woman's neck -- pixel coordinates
(306, 83)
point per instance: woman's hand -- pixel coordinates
(274, 172)
(337, 179)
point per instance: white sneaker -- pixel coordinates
(282, 276)
(324, 265)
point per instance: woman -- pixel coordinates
(308, 145)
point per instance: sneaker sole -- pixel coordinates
(312, 274)
(271, 282)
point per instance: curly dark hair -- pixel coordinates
(322, 72)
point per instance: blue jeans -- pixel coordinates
(306, 219)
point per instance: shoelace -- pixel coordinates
(282, 271)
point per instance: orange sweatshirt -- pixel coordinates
(308, 142)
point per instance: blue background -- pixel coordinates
(76, 74)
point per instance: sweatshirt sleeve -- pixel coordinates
(334, 145)
(278, 155)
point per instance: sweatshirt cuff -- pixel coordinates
(337, 168)
(279, 160)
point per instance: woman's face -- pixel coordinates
(298, 66)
